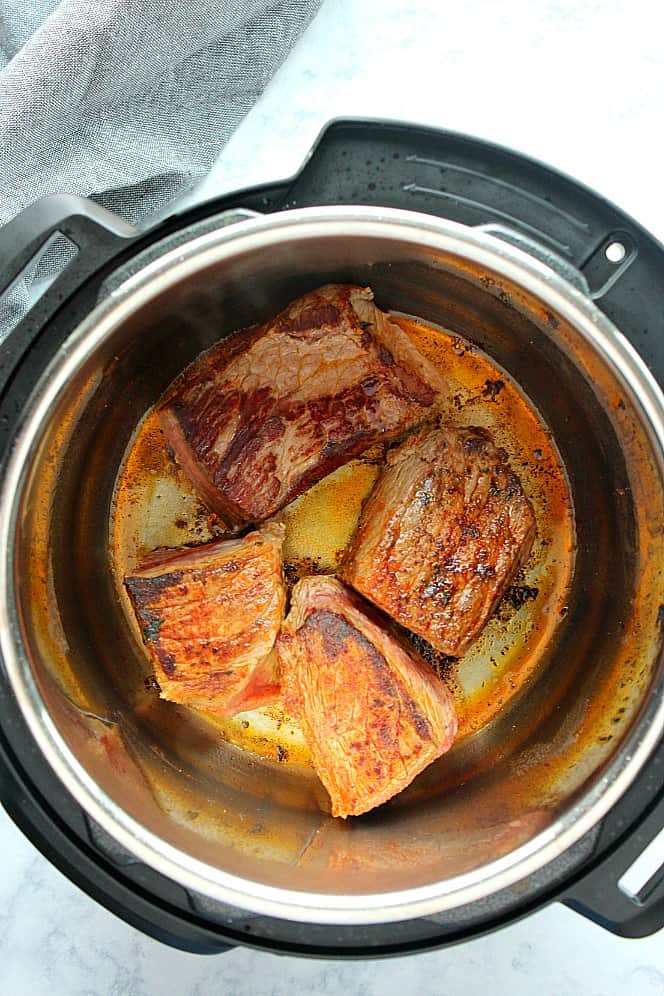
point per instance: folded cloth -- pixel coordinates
(129, 101)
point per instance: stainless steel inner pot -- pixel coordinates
(507, 800)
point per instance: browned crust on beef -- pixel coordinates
(209, 617)
(441, 535)
(263, 415)
(373, 715)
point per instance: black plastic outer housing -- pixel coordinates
(353, 162)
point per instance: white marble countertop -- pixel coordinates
(576, 83)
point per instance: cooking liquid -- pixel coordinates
(155, 506)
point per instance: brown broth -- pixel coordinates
(155, 506)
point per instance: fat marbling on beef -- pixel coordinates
(441, 535)
(209, 617)
(373, 715)
(268, 412)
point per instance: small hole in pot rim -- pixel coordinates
(615, 252)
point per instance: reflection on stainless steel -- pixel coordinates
(528, 779)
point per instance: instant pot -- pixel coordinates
(203, 846)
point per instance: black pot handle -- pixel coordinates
(98, 236)
(599, 897)
(89, 226)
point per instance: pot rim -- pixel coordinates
(381, 223)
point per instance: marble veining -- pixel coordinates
(577, 83)
(54, 940)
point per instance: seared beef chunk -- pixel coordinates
(263, 415)
(372, 715)
(209, 617)
(441, 535)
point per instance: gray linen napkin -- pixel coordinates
(129, 101)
